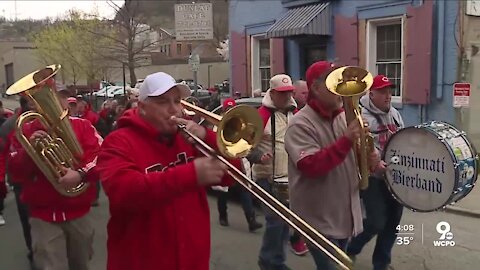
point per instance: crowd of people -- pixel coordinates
(156, 180)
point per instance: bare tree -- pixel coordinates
(131, 39)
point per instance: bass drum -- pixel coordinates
(430, 166)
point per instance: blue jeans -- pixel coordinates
(275, 236)
(383, 215)
(322, 261)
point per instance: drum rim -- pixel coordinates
(455, 159)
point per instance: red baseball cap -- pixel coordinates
(380, 82)
(71, 100)
(316, 70)
(229, 102)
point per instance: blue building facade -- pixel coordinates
(414, 43)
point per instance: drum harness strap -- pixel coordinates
(272, 129)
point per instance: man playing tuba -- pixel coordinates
(61, 230)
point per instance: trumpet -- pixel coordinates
(239, 130)
(351, 83)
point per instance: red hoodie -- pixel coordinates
(159, 216)
(38, 193)
(90, 116)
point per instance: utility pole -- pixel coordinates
(124, 80)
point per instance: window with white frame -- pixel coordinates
(260, 48)
(385, 51)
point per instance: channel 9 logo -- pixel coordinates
(446, 236)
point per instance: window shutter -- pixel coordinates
(418, 54)
(238, 60)
(346, 40)
(277, 56)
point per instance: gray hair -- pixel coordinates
(299, 82)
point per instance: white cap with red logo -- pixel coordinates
(281, 82)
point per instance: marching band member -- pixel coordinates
(322, 168)
(245, 196)
(383, 212)
(61, 229)
(154, 180)
(270, 162)
(300, 93)
(7, 132)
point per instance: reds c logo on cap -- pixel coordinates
(385, 79)
(285, 80)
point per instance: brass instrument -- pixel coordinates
(351, 83)
(191, 100)
(60, 149)
(238, 131)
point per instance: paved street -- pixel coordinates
(234, 248)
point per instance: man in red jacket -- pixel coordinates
(60, 226)
(154, 179)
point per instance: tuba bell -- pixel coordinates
(60, 149)
(351, 83)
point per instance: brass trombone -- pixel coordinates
(351, 83)
(238, 131)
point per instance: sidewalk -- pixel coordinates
(469, 206)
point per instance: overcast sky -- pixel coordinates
(42, 9)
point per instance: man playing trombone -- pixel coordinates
(154, 180)
(323, 178)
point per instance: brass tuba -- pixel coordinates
(61, 147)
(351, 83)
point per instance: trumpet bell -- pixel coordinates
(239, 131)
(349, 81)
(33, 80)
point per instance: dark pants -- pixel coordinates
(296, 236)
(245, 200)
(3, 195)
(23, 214)
(2, 206)
(383, 214)
(322, 261)
(99, 186)
(275, 236)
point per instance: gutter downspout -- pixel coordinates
(440, 48)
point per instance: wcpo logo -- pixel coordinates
(446, 236)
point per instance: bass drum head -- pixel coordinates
(423, 178)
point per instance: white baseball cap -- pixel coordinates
(281, 83)
(159, 83)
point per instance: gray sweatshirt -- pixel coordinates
(382, 124)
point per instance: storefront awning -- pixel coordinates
(305, 20)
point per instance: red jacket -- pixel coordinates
(38, 193)
(159, 216)
(90, 116)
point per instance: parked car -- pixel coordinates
(108, 91)
(254, 102)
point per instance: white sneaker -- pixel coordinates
(2, 220)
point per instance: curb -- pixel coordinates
(462, 211)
